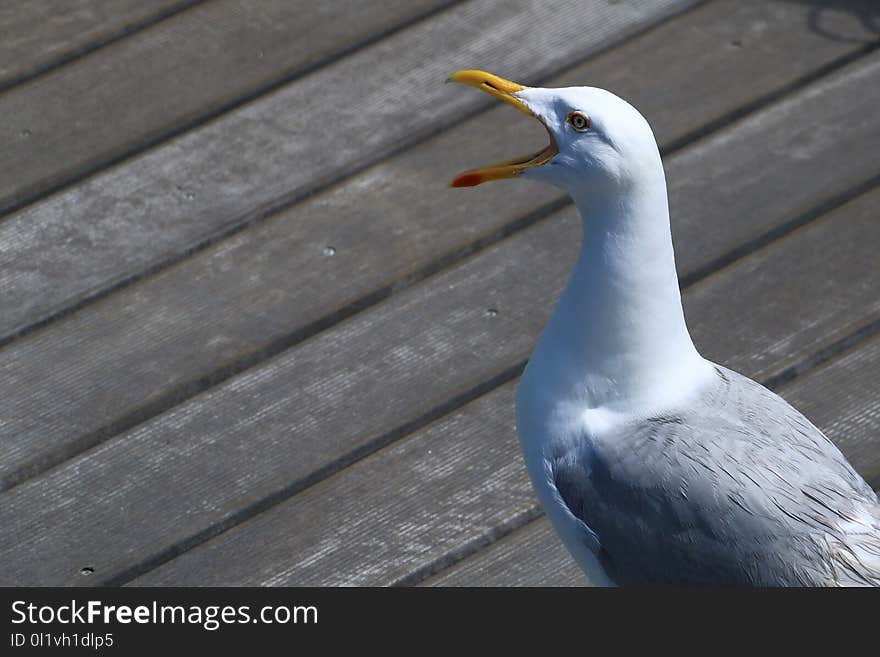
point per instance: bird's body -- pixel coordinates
(656, 466)
(734, 488)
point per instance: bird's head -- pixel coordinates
(598, 142)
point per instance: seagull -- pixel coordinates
(656, 466)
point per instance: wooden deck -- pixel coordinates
(249, 336)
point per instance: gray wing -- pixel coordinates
(738, 490)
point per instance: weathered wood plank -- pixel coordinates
(38, 34)
(267, 433)
(530, 556)
(162, 80)
(202, 319)
(193, 189)
(842, 397)
(273, 548)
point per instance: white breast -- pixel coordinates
(541, 428)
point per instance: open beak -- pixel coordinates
(503, 90)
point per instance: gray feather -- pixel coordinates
(738, 489)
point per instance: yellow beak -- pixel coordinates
(503, 90)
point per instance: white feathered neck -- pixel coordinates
(618, 335)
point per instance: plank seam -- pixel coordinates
(101, 42)
(716, 266)
(473, 548)
(776, 95)
(493, 535)
(830, 352)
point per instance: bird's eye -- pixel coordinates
(579, 121)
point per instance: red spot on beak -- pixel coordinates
(468, 179)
